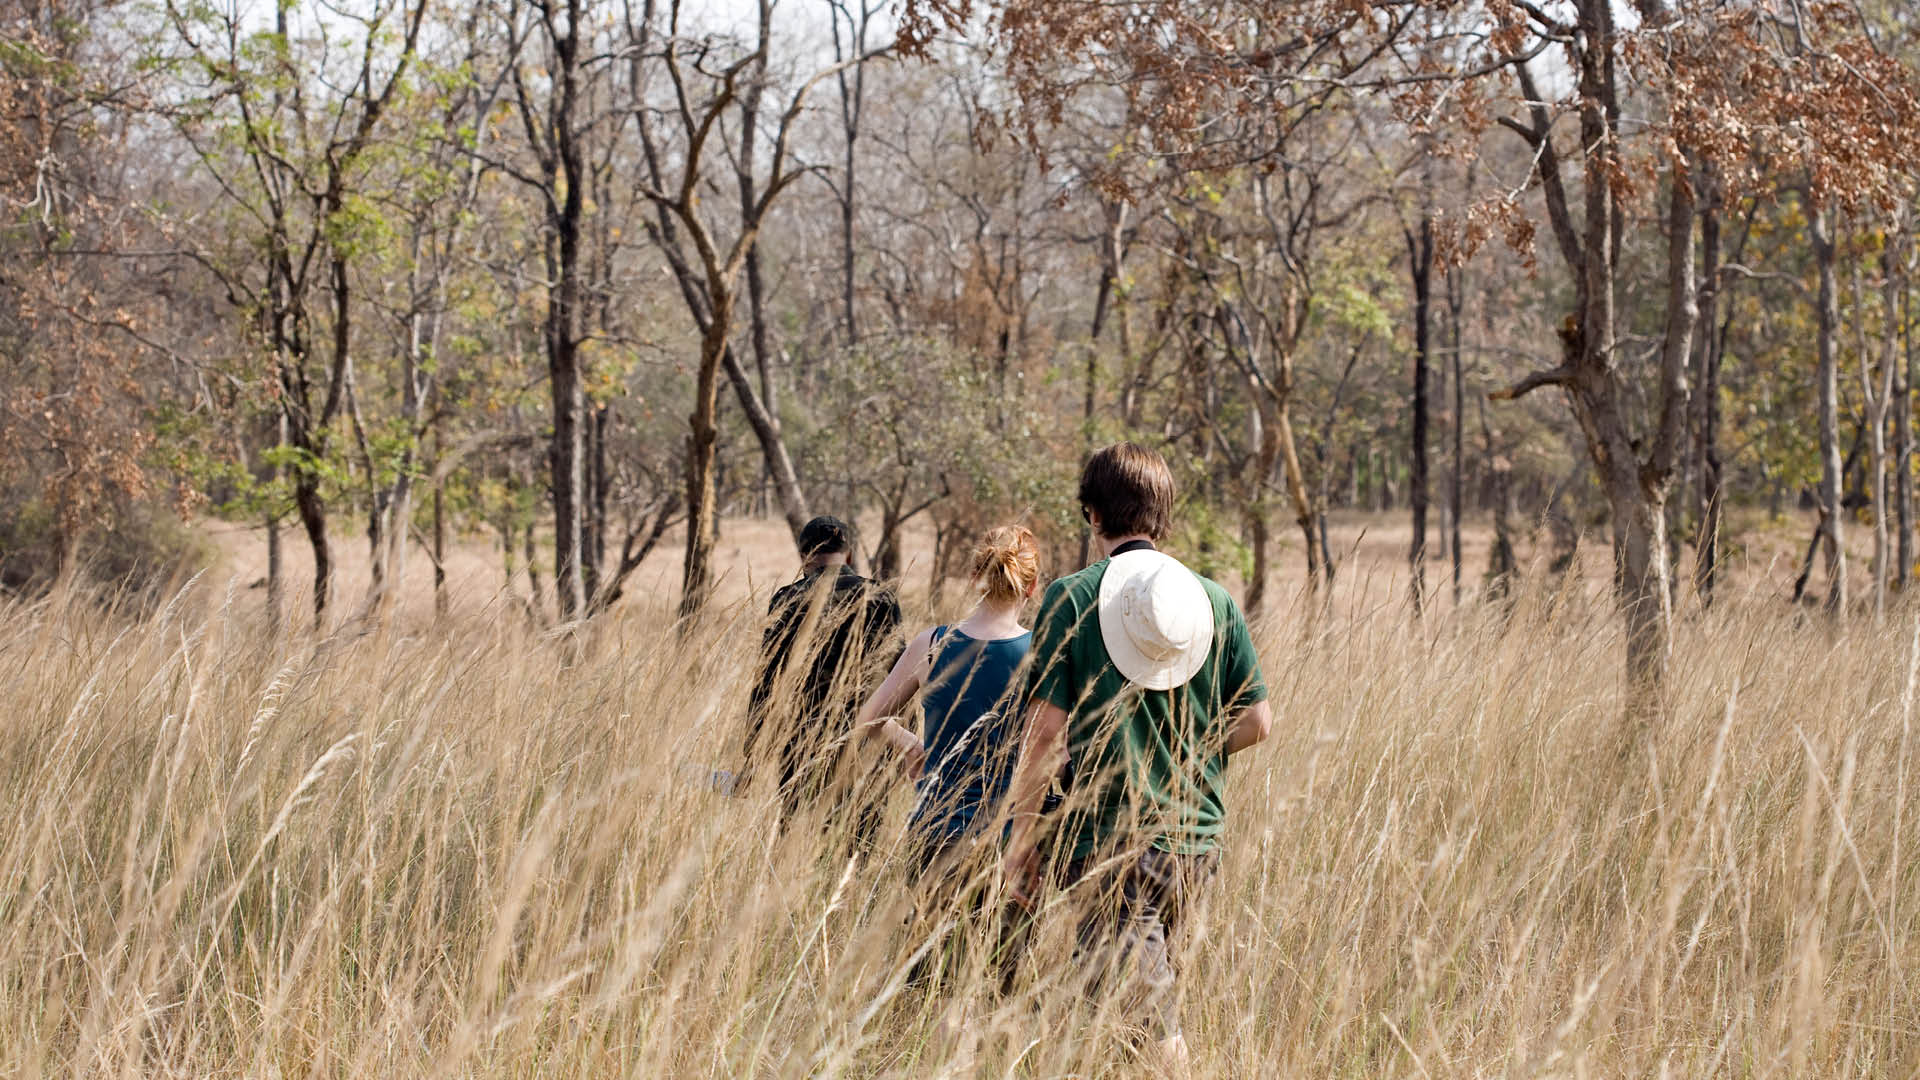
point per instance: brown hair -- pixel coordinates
(1131, 488)
(1007, 563)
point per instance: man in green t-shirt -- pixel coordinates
(1143, 680)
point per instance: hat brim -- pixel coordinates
(1136, 666)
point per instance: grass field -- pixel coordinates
(487, 851)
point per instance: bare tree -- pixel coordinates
(709, 79)
(857, 18)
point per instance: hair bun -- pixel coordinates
(1006, 564)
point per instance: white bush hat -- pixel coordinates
(1156, 619)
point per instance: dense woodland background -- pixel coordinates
(582, 279)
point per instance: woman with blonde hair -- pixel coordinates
(972, 674)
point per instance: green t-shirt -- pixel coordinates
(1145, 764)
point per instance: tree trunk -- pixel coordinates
(1456, 303)
(1090, 387)
(1500, 558)
(773, 448)
(1903, 440)
(1266, 455)
(1874, 406)
(763, 409)
(340, 375)
(595, 488)
(696, 580)
(1639, 489)
(565, 456)
(399, 518)
(313, 518)
(1106, 296)
(1641, 548)
(537, 599)
(567, 170)
(275, 576)
(1707, 407)
(1636, 489)
(1832, 533)
(763, 367)
(1297, 491)
(276, 572)
(1420, 259)
(1328, 569)
(1258, 541)
(937, 566)
(853, 83)
(1880, 391)
(886, 559)
(439, 541)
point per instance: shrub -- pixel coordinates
(134, 558)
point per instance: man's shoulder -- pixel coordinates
(1223, 601)
(850, 581)
(1081, 585)
(785, 595)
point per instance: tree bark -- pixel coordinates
(1106, 297)
(764, 411)
(1814, 544)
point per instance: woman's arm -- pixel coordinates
(893, 695)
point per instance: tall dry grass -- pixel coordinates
(490, 853)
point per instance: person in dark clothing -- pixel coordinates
(829, 636)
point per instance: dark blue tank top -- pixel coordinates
(972, 715)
